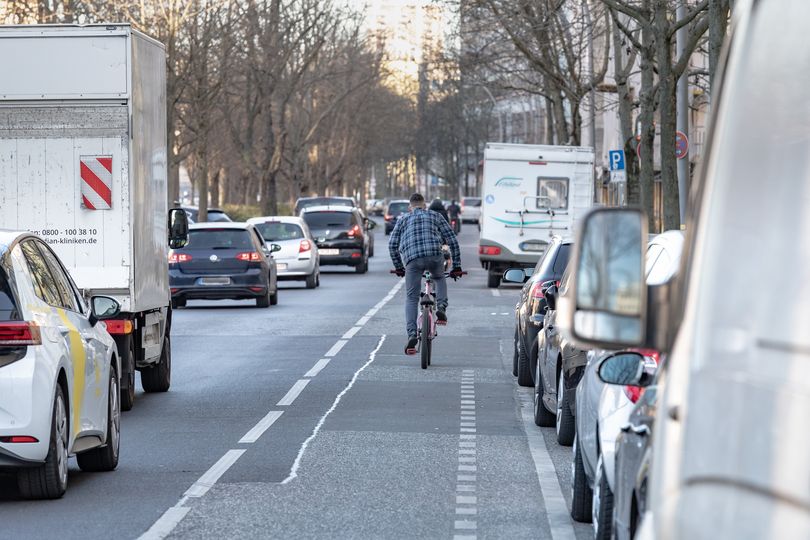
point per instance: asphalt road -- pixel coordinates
(306, 420)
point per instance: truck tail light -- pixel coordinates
(489, 250)
(119, 326)
(18, 334)
(249, 256)
(305, 246)
(175, 258)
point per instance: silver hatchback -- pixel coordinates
(298, 258)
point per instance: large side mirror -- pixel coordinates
(178, 228)
(371, 224)
(103, 307)
(605, 305)
(515, 275)
(626, 369)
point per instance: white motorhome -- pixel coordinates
(530, 193)
(83, 165)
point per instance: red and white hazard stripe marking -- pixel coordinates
(96, 174)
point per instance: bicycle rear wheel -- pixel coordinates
(426, 341)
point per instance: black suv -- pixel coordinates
(531, 307)
(342, 235)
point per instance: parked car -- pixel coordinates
(223, 261)
(59, 371)
(731, 398)
(308, 202)
(215, 215)
(602, 410)
(531, 307)
(470, 209)
(342, 235)
(559, 366)
(395, 209)
(298, 257)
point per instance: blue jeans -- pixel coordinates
(413, 286)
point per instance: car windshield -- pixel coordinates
(398, 208)
(328, 220)
(8, 307)
(471, 202)
(277, 231)
(219, 239)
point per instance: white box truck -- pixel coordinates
(83, 165)
(530, 193)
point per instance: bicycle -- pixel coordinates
(426, 320)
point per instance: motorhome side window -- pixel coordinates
(552, 193)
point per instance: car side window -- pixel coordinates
(61, 279)
(258, 237)
(44, 283)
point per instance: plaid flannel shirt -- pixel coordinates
(421, 233)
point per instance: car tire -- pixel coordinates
(318, 280)
(158, 378)
(602, 505)
(178, 303)
(524, 374)
(263, 301)
(581, 493)
(312, 280)
(493, 280)
(542, 416)
(371, 251)
(274, 298)
(105, 458)
(128, 372)
(362, 268)
(515, 355)
(564, 421)
(49, 480)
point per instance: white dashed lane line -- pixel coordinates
(322, 363)
(258, 430)
(466, 524)
(293, 393)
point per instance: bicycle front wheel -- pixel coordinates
(426, 337)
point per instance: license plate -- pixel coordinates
(281, 266)
(329, 251)
(215, 281)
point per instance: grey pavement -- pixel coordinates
(404, 453)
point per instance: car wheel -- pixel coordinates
(178, 303)
(542, 416)
(515, 355)
(49, 480)
(524, 374)
(581, 493)
(371, 251)
(493, 280)
(564, 421)
(274, 298)
(264, 301)
(602, 505)
(318, 280)
(128, 375)
(312, 280)
(105, 458)
(362, 267)
(158, 378)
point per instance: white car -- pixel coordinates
(298, 258)
(59, 371)
(603, 409)
(470, 209)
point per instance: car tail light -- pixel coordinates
(16, 334)
(175, 258)
(489, 250)
(249, 256)
(388, 217)
(354, 230)
(119, 326)
(256, 289)
(536, 291)
(356, 255)
(19, 439)
(651, 359)
(305, 246)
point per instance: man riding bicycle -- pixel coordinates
(415, 246)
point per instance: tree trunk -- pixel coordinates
(646, 118)
(627, 136)
(718, 23)
(666, 93)
(202, 184)
(560, 122)
(549, 128)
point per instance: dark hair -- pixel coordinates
(417, 198)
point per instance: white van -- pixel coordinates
(729, 442)
(530, 194)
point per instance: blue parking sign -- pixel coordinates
(616, 160)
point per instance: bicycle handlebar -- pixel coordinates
(446, 274)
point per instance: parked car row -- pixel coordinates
(606, 424)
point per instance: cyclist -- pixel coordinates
(415, 246)
(454, 213)
(438, 206)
